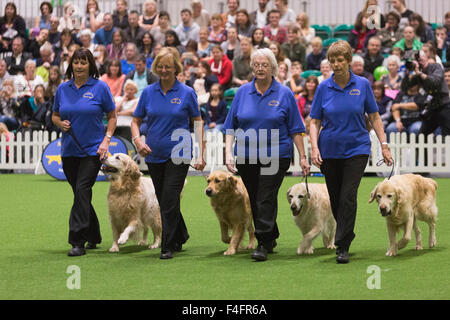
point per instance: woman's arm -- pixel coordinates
(298, 141)
(198, 130)
(377, 125)
(229, 159)
(64, 125)
(110, 127)
(314, 129)
(142, 148)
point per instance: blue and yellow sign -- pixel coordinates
(355, 92)
(176, 101)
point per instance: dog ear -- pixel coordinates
(132, 170)
(232, 180)
(399, 195)
(373, 193)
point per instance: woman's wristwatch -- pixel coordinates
(384, 144)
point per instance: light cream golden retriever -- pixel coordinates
(312, 214)
(231, 203)
(132, 203)
(402, 200)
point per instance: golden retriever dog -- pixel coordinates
(231, 203)
(312, 214)
(132, 203)
(402, 200)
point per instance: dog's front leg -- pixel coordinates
(407, 236)
(392, 243)
(115, 245)
(418, 235)
(306, 244)
(144, 240)
(224, 231)
(126, 233)
(236, 238)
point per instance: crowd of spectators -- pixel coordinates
(215, 50)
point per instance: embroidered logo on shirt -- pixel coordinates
(274, 103)
(355, 92)
(88, 95)
(176, 100)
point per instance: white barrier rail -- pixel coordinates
(415, 154)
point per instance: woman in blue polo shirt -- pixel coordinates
(78, 110)
(170, 106)
(265, 114)
(340, 141)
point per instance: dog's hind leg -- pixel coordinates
(144, 240)
(418, 235)
(236, 238)
(128, 230)
(115, 245)
(156, 229)
(251, 237)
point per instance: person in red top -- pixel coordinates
(360, 35)
(274, 31)
(221, 66)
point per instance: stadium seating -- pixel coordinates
(329, 41)
(323, 31)
(341, 31)
(305, 74)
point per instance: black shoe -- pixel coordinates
(76, 251)
(91, 246)
(166, 255)
(260, 254)
(342, 256)
(178, 247)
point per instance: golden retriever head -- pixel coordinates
(121, 165)
(298, 198)
(388, 197)
(220, 182)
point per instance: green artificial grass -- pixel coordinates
(34, 261)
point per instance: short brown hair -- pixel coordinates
(83, 54)
(340, 48)
(173, 52)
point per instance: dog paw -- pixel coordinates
(154, 246)
(418, 247)
(123, 239)
(309, 250)
(402, 243)
(226, 240)
(114, 249)
(143, 243)
(331, 246)
(229, 252)
(432, 243)
(391, 253)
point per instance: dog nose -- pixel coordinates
(208, 191)
(293, 207)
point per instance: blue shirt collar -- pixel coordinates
(332, 84)
(175, 86)
(90, 82)
(273, 87)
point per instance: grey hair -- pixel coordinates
(267, 53)
(357, 58)
(394, 58)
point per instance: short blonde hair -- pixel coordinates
(317, 40)
(340, 48)
(172, 52)
(130, 82)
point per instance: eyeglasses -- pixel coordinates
(262, 65)
(159, 67)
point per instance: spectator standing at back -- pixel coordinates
(259, 16)
(400, 6)
(287, 14)
(373, 57)
(187, 29)
(150, 19)
(120, 16)
(307, 33)
(159, 32)
(104, 35)
(11, 24)
(274, 31)
(93, 18)
(199, 15)
(229, 18)
(43, 21)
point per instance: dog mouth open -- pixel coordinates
(385, 212)
(295, 210)
(108, 169)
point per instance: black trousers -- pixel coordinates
(440, 118)
(168, 179)
(343, 177)
(263, 193)
(81, 173)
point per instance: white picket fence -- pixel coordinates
(432, 156)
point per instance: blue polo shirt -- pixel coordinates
(84, 108)
(168, 113)
(104, 37)
(259, 114)
(341, 111)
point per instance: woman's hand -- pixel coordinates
(316, 158)
(142, 148)
(229, 161)
(65, 125)
(200, 164)
(306, 168)
(387, 158)
(102, 150)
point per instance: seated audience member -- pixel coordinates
(232, 46)
(221, 66)
(86, 37)
(391, 33)
(114, 77)
(150, 18)
(54, 35)
(47, 59)
(215, 110)
(305, 99)
(274, 31)
(187, 29)
(373, 57)
(68, 20)
(35, 44)
(287, 14)
(409, 42)
(360, 35)
(146, 45)
(134, 32)
(189, 59)
(173, 41)
(125, 106)
(244, 26)
(9, 136)
(258, 41)
(204, 46)
(43, 21)
(4, 74)
(9, 107)
(66, 56)
(11, 24)
(357, 66)
(242, 72)
(156, 49)
(159, 32)
(431, 53)
(447, 21)
(25, 84)
(259, 16)
(101, 58)
(406, 111)
(229, 17)
(35, 112)
(217, 33)
(282, 75)
(54, 80)
(199, 15)
(120, 16)
(307, 34)
(293, 48)
(296, 83)
(325, 70)
(16, 62)
(141, 76)
(280, 56)
(318, 54)
(393, 80)
(447, 77)
(66, 40)
(130, 55)
(116, 49)
(383, 101)
(93, 19)
(442, 44)
(104, 35)
(400, 7)
(422, 30)
(202, 80)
